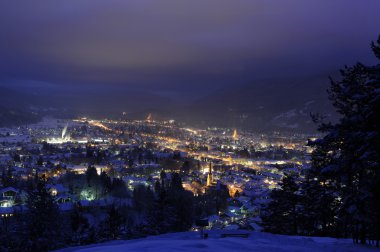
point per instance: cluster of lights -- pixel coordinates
(87, 195)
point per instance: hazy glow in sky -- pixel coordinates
(178, 45)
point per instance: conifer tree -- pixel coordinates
(281, 215)
(113, 222)
(42, 218)
(347, 157)
(318, 209)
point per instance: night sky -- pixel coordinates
(179, 47)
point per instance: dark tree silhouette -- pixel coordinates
(347, 157)
(42, 219)
(282, 215)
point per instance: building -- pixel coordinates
(210, 181)
(8, 196)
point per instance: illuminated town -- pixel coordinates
(247, 165)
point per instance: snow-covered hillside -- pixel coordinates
(257, 242)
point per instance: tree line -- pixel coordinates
(40, 224)
(339, 195)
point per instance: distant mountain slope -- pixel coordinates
(283, 105)
(14, 117)
(269, 105)
(68, 101)
(14, 108)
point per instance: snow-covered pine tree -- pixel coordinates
(347, 157)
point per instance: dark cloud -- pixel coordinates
(181, 45)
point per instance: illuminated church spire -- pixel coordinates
(209, 176)
(235, 135)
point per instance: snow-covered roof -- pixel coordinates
(7, 189)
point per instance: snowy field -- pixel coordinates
(258, 242)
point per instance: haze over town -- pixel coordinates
(248, 62)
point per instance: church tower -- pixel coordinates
(235, 136)
(209, 176)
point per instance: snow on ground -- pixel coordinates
(258, 242)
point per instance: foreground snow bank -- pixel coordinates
(258, 242)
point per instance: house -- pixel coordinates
(8, 196)
(8, 193)
(58, 189)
